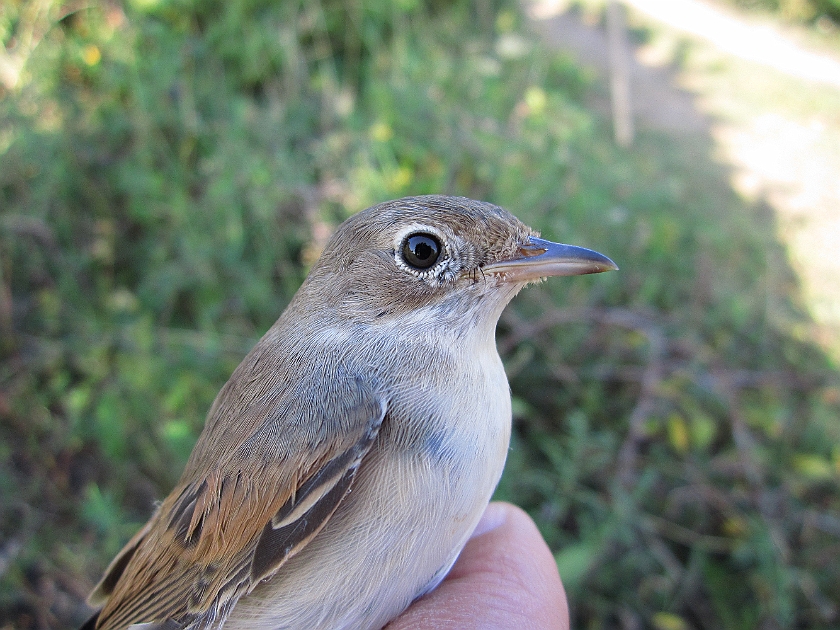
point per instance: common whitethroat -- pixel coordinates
(346, 462)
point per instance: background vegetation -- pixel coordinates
(797, 10)
(168, 169)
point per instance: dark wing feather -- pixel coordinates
(236, 517)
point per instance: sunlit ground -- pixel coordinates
(772, 96)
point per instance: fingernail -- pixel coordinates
(494, 517)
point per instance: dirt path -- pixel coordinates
(749, 40)
(656, 101)
(771, 105)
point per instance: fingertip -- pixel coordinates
(496, 515)
(511, 543)
(507, 573)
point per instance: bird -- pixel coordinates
(347, 460)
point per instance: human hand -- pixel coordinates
(505, 577)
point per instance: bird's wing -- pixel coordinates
(237, 516)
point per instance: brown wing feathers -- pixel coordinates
(214, 538)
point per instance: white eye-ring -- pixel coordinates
(421, 250)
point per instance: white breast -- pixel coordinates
(409, 513)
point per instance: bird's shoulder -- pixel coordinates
(270, 468)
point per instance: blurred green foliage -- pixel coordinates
(169, 168)
(805, 10)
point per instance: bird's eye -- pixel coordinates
(421, 250)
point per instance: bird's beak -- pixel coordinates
(540, 258)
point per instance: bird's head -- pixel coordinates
(453, 256)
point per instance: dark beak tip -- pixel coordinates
(603, 263)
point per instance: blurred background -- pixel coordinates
(170, 168)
